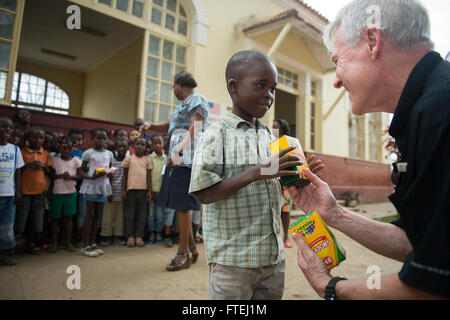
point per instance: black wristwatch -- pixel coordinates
(330, 293)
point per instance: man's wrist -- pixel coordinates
(321, 285)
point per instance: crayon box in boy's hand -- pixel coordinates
(319, 239)
(284, 142)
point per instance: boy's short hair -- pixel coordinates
(35, 128)
(120, 140)
(185, 79)
(140, 138)
(238, 63)
(65, 139)
(6, 119)
(157, 136)
(116, 131)
(75, 131)
(94, 131)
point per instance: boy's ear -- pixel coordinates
(232, 86)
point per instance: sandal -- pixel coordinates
(71, 248)
(194, 254)
(176, 265)
(52, 249)
(287, 244)
(131, 242)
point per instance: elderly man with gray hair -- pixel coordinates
(384, 59)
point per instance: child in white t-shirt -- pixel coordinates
(10, 161)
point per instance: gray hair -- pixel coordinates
(405, 23)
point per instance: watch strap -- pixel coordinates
(330, 289)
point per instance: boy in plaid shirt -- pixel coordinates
(235, 176)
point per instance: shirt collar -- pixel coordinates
(412, 92)
(234, 121)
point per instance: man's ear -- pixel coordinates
(373, 41)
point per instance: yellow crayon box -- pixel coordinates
(100, 170)
(284, 142)
(319, 239)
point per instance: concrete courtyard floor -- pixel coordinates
(139, 273)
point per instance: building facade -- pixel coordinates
(115, 60)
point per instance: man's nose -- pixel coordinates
(337, 83)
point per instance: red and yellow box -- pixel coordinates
(319, 239)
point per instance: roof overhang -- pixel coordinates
(310, 33)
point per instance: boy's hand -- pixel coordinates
(98, 174)
(36, 165)
(149, 196)
(275, 166)
(65, 176)
(110, 198)
(315, 165)
(18, 198)
(124, 195)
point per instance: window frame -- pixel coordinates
(165, 11)
(176, 67)
(14, 43)
(35, 106)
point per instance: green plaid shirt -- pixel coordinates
(243, 230)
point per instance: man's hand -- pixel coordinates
(312, 266)
(124, 195)
(316, 196)
(149, 196)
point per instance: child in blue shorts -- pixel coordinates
(95, 187)
(10, 163)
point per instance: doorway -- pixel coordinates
(286, 108)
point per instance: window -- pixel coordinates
(375, 133)
(165, 59)
(35, 93)
(134, 7)
(288, 78)
(171, 15)
(356, 136)
(313, 116)
(8, 41)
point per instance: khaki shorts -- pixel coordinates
(234, 283)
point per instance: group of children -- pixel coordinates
(55, 194)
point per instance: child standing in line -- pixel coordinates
(134, 134)
(33, 187)
(112, 222)
(64, 198)
(137, 190)
(155, 218)
(77, 136)
(10, 163)
(95, 187)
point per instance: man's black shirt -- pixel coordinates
(421, 129)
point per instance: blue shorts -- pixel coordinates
(95, 198)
